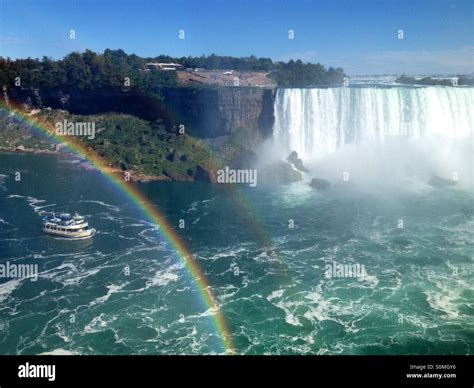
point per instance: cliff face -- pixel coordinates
(91, 102)
(211, 113)
(229, 122)
(205, 112)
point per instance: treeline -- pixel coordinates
(218, 62)
(299, 74)
(292, 73)
(114, 69)
(429, 81)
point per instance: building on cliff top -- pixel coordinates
(163, 66)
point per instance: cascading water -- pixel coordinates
(316, 122)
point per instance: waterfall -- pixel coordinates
(316, 122)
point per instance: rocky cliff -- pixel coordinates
(205, 112)
(215, 112)
(140, 133)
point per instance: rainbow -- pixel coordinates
(149, 211)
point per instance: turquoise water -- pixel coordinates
(416, 298)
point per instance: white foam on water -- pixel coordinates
(228, 252)
(104, 204)
(288, 307)
(164, 277)
(111, 289)
(294, 195)
(227, 292)
(98, 324)
(371, 280)
(79, 278)
(33, 203)
(8, 287)
(59, 352)
(193, 206)
(275, 294)
(2, 182)
(443, 301)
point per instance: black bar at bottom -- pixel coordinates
(317, 371)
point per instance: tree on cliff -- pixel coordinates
(84, 71)
(299, 74)
(91, 71)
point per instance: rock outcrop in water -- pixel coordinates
(320, 184)
(205, 174)
(296, 161)
(278, 173)
(438, 182)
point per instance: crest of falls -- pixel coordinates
(317, 122)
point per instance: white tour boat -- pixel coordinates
(72, 227)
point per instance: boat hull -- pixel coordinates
(71, 235)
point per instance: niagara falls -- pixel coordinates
(283, 188)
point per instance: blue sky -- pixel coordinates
(360, 36)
